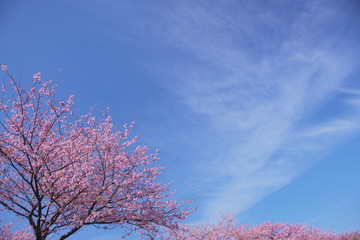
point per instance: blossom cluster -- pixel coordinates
(61, 172)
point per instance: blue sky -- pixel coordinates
(254, 105)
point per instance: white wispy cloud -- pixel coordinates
(336, 127)
(257, 95)
(353, 96)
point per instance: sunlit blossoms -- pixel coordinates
(61, 173)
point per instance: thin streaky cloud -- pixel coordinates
(336, 127)
(257, 101)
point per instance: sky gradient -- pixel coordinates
(254, 105)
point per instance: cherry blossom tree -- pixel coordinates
(61, 173)
(228, 229)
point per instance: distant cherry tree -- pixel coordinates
(228, 229)
(61, 173)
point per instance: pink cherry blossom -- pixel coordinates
(228, 229)
(61, 173)
(7, 234)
